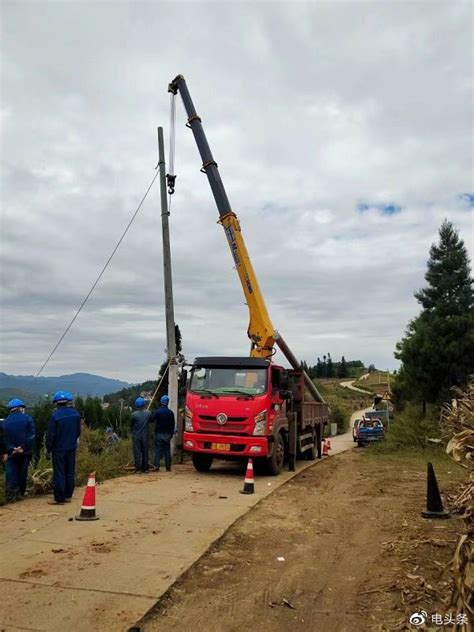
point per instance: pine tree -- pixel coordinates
(90, 413)
(437, 351)
(342, 370)
(319, 368)
(329, 367)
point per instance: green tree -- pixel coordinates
(342, 370)
(79, 405)
(319, 368)
(90, 412)
(329, 367)
(437, 351)
(41, 413)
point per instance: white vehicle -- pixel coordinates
(355, 425)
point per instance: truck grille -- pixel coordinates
(213, 418)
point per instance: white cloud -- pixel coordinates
(310, 109)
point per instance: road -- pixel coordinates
(350, 385)
(59, 574)
(341, 548)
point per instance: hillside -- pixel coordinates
(77, 383)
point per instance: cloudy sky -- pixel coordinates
(343, 136)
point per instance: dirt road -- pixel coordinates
(350, 386)
(352, 546)
(59, 574)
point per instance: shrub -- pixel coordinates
(410, 429)
(341, 418)
(94, 440)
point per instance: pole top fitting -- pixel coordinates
(173, 86)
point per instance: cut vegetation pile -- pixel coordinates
(457, 420)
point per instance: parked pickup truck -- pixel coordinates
(369, 430)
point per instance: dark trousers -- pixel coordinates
(163, 447)
(64, 466)
(16, 474)
(140, 452)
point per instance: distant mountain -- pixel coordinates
(77, 383)
(30, 399)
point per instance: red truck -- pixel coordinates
(241, 407)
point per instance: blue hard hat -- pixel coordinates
(165, 400)
(69, 396)
(139, 402)
(15, 403)
(60, 397)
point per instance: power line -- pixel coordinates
(97, 279)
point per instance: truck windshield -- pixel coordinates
(229, 380)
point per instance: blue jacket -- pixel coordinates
(63, 431)
(139, 422)
(19, 431)
(164, 420)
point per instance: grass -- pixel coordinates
(342, 401)
(92, 456)
(447, 471)
(376, 382)
(408, 442)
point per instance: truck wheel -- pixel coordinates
(359, 444)
(202, 462)
(275, 462)
(312, 454)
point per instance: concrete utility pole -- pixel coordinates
(170, 325)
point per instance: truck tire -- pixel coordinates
(312, 453)
(359, 444)
(275, 462)
(202, 462)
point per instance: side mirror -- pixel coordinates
(284, 394)
(183, 378)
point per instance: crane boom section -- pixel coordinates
(260, 329)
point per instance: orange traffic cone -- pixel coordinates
(249, 487)
(88, 504)
(325, 448)
(328, 443)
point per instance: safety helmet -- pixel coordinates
(60, 397)
(69, 396)
(15, 403)
(165, 400)
(139, 402)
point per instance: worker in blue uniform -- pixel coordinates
(140, 426)
(62, 435)
(164, 430)
(19, 435)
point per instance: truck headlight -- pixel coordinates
(260, 423)
(188, 420)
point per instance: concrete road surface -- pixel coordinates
(60, 574)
